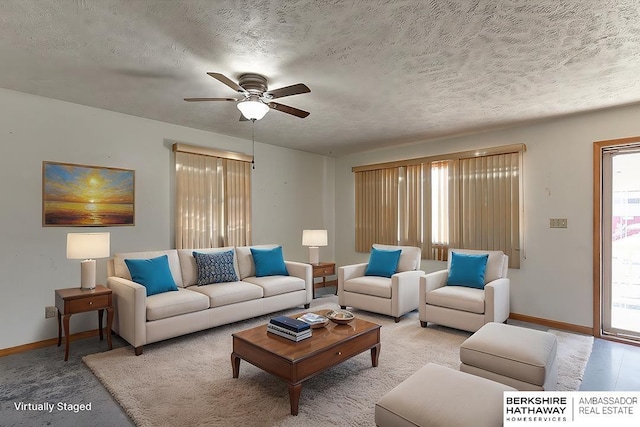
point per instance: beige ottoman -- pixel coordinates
(439, 396)
(519, 357)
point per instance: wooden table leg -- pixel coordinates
(375, 354)
(59, 328)
(235, 365)
(294, 397)
(109, 325)
(65, 321)
(100, 313)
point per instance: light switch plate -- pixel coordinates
(558, 223)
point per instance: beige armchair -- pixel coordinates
(394, 296)
(463, 307)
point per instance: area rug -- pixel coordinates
(187, 381)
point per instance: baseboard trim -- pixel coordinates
(552, 323)
(46, 343)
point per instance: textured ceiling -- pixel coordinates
(380, 72)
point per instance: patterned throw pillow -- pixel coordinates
(216, 267)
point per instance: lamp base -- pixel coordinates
(88, 274)
(314, 255)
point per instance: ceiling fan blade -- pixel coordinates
(289, 110)
(287, 91)
(211, 99)
(226, 80)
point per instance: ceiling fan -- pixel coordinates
(256, 99)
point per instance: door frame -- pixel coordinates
(598, 148)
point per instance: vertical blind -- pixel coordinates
(468, 201)
(213, 201)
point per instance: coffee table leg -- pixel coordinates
(235, 365)
(294, 397)
(375, 353)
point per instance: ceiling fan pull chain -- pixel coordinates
(253, 144)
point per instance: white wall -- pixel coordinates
(292, 190)
(555, 280)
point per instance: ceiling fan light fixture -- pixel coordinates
(253, 109)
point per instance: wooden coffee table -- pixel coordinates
(296, 362)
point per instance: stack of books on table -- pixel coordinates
(293, 329)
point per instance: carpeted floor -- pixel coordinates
(187, 381)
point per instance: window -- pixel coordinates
(213, 198)
(462, 200)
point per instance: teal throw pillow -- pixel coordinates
(467, 270)
(215, 267)
(269, 262)
(154, 274)
(382, 262)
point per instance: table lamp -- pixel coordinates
(86, 246)
(313, 239)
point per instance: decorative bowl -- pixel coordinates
(341, 317)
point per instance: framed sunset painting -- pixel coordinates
(86, 196)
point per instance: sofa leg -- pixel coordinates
(423, 324)
(307, 305)
(396, 319)
(138, 350)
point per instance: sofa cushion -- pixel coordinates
(154, 274)
(229, 293)
(121, 269)
(269, 262)
(175, 303)
(369, 285)
(190, 268)
(467, 270)
(382, 262)
(246, 267)
(409, 257)
(276, 285)
(215, 267)
(497, 263)
(458, 298)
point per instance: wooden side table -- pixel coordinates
(76, 300)
(322, 269)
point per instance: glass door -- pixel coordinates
(621, 242)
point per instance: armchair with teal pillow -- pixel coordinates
(387, 284)
(472, 291)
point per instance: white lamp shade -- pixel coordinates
(88, 245)
(314, 238)
(253, 110)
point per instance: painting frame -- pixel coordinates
(77, 195)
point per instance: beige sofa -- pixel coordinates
(142, 319)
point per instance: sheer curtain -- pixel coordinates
(213, 201)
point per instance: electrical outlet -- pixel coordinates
(50, 312)
(558, 223)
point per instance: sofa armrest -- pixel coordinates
(303, 271)
(404, 291)
(347, 272)
(433, 281)
(497, 300)
(130, 306)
